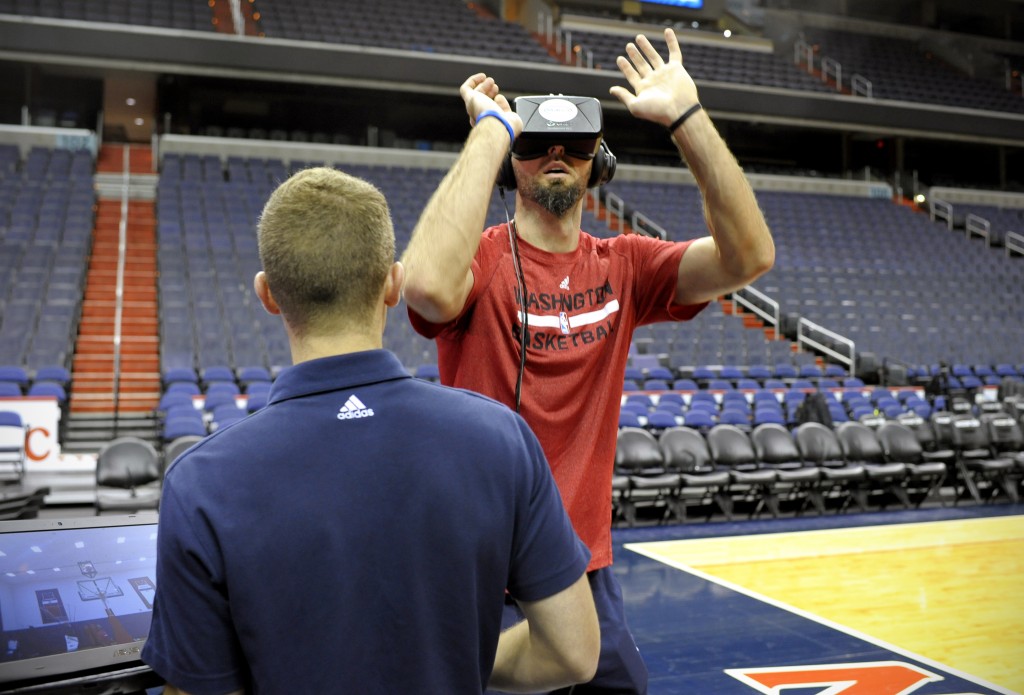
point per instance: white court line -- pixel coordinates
(640, 549)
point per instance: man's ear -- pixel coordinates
(393, 284)
(259, 284)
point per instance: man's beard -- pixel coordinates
(557, 198)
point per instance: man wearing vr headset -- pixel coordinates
(570, 299)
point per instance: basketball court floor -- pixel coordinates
(929, 602)
(926, 601)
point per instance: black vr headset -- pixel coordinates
(573, 122)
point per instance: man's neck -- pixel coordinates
(538, 227)
(317, 347)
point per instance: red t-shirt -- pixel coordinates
(582, 309)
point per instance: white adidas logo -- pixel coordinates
(564, 285)
(354, 408)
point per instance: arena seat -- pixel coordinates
(862, 447)
(841, 480)
(982, 475)
(924, 477)
(177, 446)
(128, 474)
(797, 482)
(732, 450)
(685, 452)
(638, 458)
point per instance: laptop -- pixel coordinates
(76, 602)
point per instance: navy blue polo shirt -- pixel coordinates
(358, 533)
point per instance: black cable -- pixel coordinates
(513, 242)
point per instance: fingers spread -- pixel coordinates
(627, 69)
(640, 64)
(650, 52)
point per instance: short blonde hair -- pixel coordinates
(326, 243)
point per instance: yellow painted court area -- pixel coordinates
(950, 591)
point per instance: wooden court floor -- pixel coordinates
(949, 591)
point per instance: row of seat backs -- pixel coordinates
(23, 377)
(687, 450)
(996, 431)
(130, 461)
(129, 472)
(212, 374)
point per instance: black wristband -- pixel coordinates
(686, 114)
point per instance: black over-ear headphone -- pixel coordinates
(601, 173)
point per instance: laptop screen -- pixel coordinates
(76, 596)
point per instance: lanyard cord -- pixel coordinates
(513, 241)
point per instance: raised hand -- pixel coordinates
(662, 90)
(481, 93)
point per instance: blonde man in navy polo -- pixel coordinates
(358, 533)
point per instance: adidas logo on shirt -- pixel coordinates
(354, 408)
(564, 284)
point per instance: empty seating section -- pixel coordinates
(207, 256)
(901, 286)
(712, 338)
(443, 26)
(206, 226)
(897, 284)
(999, 220)
(193, 15)
(886, 277)
(898, 69)
(710, 63)
(901, 69)
(719, 401)
(46, 221)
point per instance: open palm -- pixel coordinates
(661, 90)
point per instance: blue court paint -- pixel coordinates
(701, 635)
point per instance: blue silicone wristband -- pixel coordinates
(500, 117)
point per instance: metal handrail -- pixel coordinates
(645, 225)
(978, 226)
(616, 208)
(941, 210)
(772, 316)
(236, 17)
(803, 52)
(1014, 243)
(562, 41)
(834, 67)
(860, 84)
(122, 253)
(804, 339)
